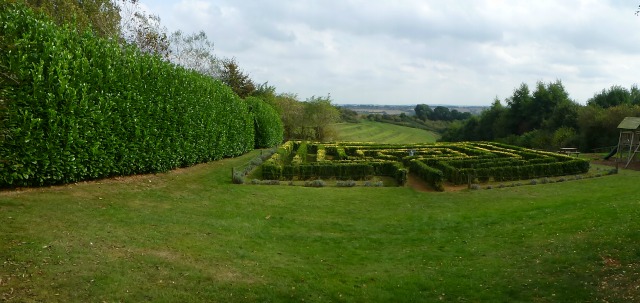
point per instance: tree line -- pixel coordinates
(547, 118)
(439, 113)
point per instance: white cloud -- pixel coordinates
(415, 51)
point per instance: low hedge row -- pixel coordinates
(510, 173)
(329, 170)
(433, 176)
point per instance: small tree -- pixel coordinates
(232, 76)
(143, 31)
(292, 114)
(195, 52)
(319, 114)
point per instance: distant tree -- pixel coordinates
(545, 99)
(457, 115)
(195, 52)
(614, 96)
(488, 119)
(519, 105)
(348, 115)
(143, 30)
(267, 93)
(235, 78)
(564, 114)
(423, 111)
(291, 113)
(635, 95)
(319, 114)
(441, 113)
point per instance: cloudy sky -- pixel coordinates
(462, 52)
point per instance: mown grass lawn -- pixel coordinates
(369, 131)
(190, 235)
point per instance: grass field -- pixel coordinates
(369, 131)
(190, 235)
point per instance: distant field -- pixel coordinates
(369, 131)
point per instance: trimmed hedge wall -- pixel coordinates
(269, 130)
(275, 169)
(432, 176)
(76, 107)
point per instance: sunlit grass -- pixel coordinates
(369, 131)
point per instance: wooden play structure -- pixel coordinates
(629, 141)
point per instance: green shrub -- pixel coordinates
(348, 183)
(373, 184)
(315, 183)
(238, 178)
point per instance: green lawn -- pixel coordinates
(191, 236)
(369, 131)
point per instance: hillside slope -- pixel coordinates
(369, 131)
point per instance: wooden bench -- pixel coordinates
(569, 151)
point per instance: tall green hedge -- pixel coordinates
(269, 130)
(76, 107)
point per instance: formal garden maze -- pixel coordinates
(436, 164)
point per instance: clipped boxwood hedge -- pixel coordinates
(75, 107)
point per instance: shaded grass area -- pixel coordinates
(369, 131)
(190, 235)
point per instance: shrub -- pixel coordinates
(238, 178)
(348, 183)
(315, 183)
(320, 153)
(256, 161)
(373, 184)
(270, 182)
